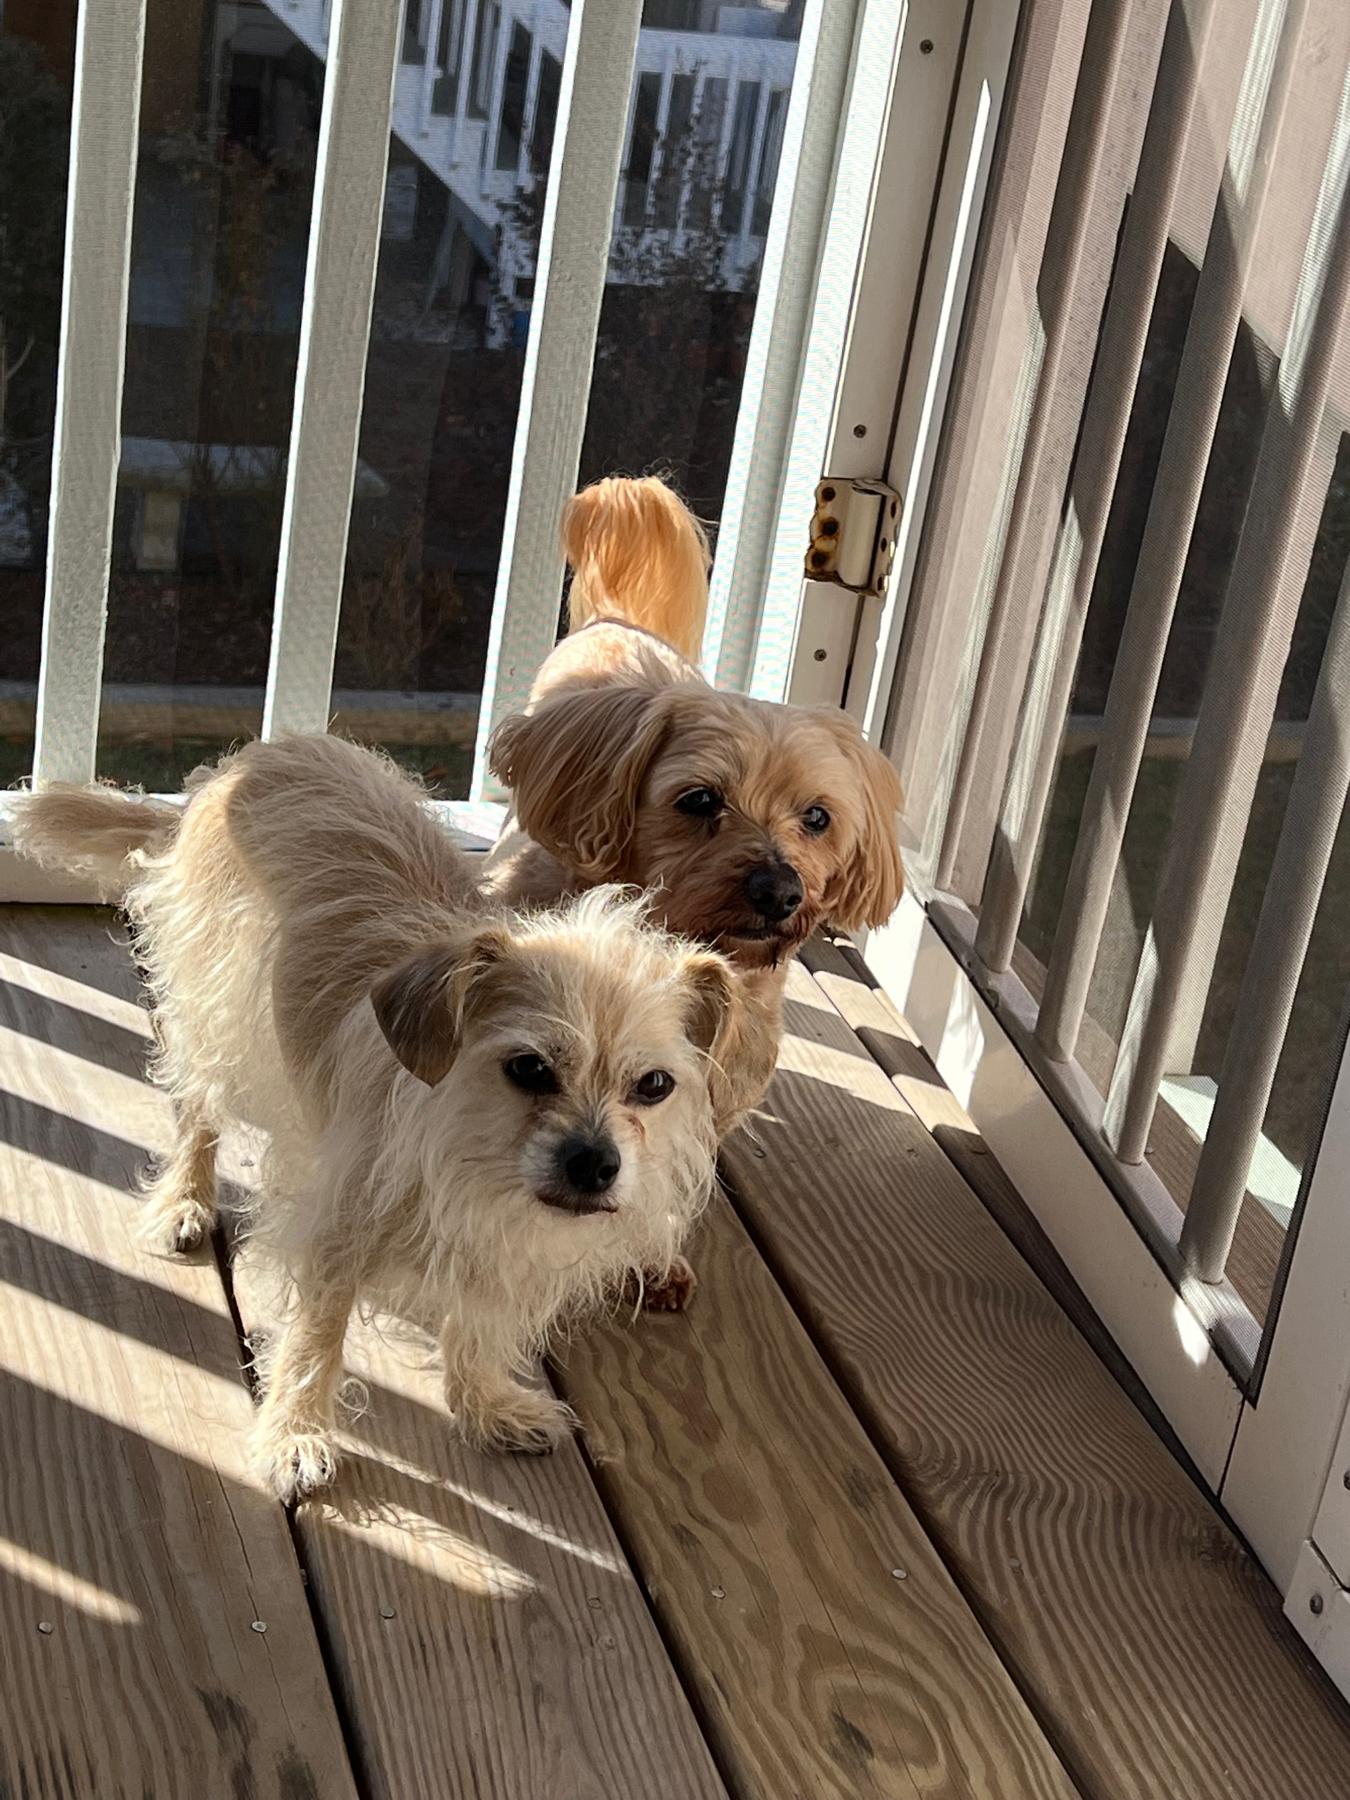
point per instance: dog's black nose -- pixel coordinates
(774, 889)
(588, 1165)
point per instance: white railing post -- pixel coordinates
(1191, 67)
(661, 148)
(763, 94)
(528, 118)
(1237, 241)
(569, 286)
(87, 433)
(691, 171)
(492, 129)
(1270, 567)
(1265, 1001)
(722, 167)
(464, 85)
(1075, 280)
(463, 76)
(431, 68)
(787, 284)
(344, 249)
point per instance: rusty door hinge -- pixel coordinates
(853, 534)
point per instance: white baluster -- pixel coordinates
(529, 121)
(752, 163)
(431, 68)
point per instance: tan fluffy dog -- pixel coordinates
(749, 824)
(476, 1119)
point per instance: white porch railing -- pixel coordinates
(88, 430)
(845, 128)
(426, 77)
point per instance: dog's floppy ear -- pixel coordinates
(422, 1005)
(866, 890)
(718, 1021)
(575, 767)
(714, 1003)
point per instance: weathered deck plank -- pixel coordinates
(892, 1043)
(136, 1552)
(488, 1636)
(1147, 1639)
(770, 1536)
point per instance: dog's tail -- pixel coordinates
(640, 556)
(92, 831)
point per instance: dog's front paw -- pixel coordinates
(520, 1419)
(672, 1292)
(296, 1464)
(175, 1225)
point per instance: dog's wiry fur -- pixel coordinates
(322, 965)
(621, 725)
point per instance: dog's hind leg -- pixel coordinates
(293, 1435)
(180, 1202)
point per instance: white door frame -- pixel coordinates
(918, 71)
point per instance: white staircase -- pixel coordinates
(458, 108)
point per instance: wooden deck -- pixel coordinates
(876, 1518)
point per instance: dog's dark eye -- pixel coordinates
(816, 820)
(653, 1087)
(531, 1073)
(700, 803)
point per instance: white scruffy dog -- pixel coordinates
(491, 1120)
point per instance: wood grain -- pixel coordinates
(488, 1637)
(1148, 1641)
(894, 1045)
(829, 1650)
(135, 1550)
